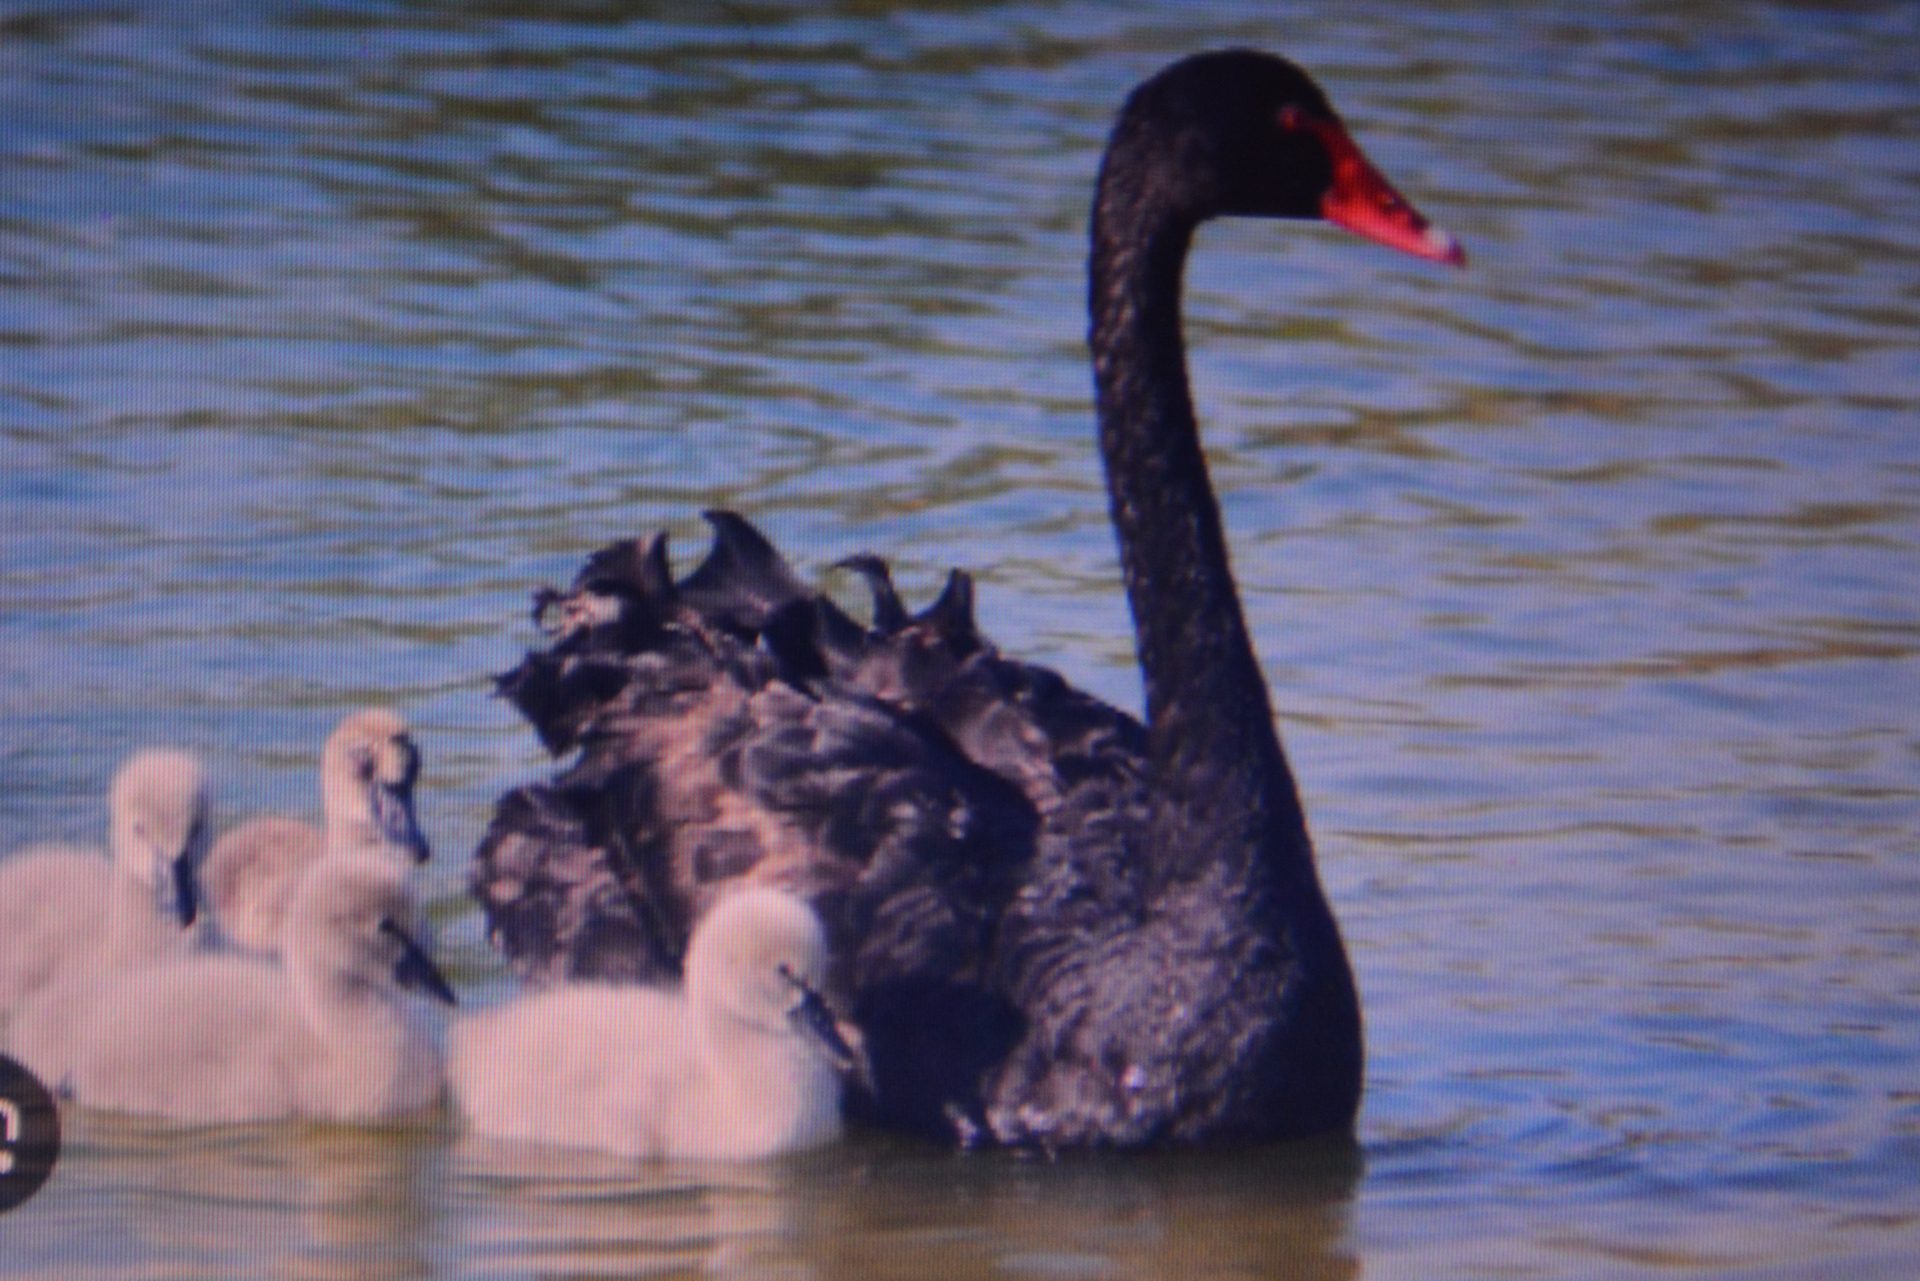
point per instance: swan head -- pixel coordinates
(354, 923)
(367, 774)
(159, 831)
(1242, 133)
(760, 958)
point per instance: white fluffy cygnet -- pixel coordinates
(367, 773)
(327, 1035)
(67, 911)
(744, 1062)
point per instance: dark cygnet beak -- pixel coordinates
(815, 1020)
(393, 814)
(186, 890)
(415, 970)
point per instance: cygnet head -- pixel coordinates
(353, 926)
(759, 958)
(367, 772)
(159, 832)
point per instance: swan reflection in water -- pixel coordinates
(539, 1210)
(876, 1206)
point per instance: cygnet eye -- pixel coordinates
(795, 982)
(364, 763)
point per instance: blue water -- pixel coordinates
(1585, 579)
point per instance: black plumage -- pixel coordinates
(1058, 926)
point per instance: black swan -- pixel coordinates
(1058, 927)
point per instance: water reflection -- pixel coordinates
(878, 1209)
(301, 1201)
(1277, 1213)
(548, 1212)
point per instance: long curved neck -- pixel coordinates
(769, 1091)
(140, 927)
(1221, 779)
(363, 1054)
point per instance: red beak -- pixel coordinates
(1366, 204)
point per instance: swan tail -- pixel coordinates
(950, 617)
(743, 581)
(812, 640)
(636, 567)
(889, 615)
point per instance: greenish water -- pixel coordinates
(1585, 579)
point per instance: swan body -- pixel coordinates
(1060, 926)
(327, 1035)
(368, 769)
(66, 913)
(743, 1063)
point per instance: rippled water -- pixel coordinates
(1585, 579)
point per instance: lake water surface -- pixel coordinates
(1587, 580)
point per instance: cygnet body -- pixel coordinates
(67, 912)
(367, 773)
(744, 1062)
(327, 1035)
